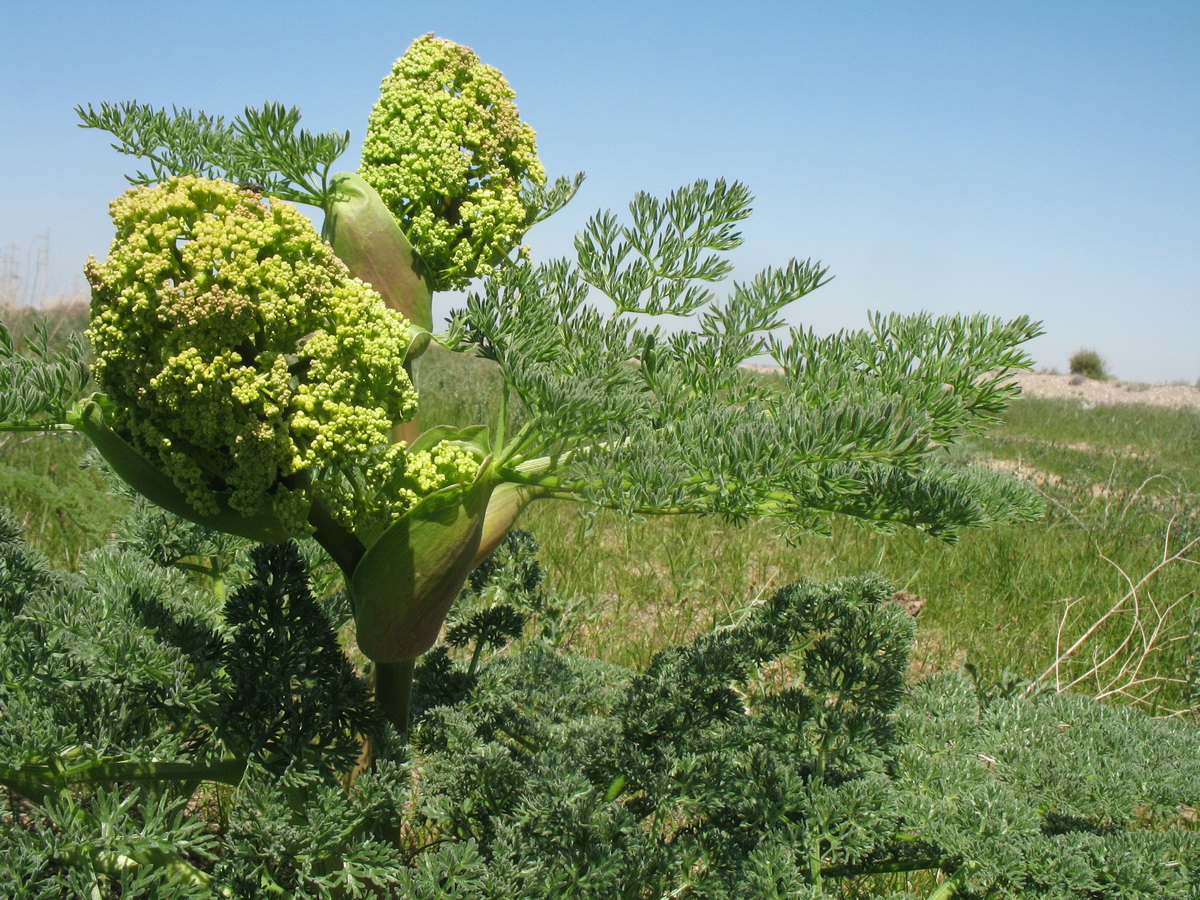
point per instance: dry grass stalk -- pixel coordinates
(1153, 626)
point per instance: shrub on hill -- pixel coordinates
(1089, 364)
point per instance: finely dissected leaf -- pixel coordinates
(39, 385)
(955, 369)
(652, 265)
(627, 415)
(292, 696)
(263, 148)
(542, 201)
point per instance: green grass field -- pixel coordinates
(1121, 487)
(1121, 484)
(1122, 490)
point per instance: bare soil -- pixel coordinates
(1106, 393)
(1094, 393)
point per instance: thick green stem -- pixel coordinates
(883, 868)
(475, 655)
(393, 693)
(947, 888)
(36, 427)
(339, 542)
(38, 781)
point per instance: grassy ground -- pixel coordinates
(1121, 484)
(59, 500)
(61, 321)
(1122, 489)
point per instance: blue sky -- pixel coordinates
(1008, 157)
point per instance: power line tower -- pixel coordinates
(27, 285)
(41, 272)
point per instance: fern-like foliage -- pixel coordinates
(783, 757)
(291, 690)
(264, 148)
(780, 756)
(39, 384)
(124, 686)
(627, 413)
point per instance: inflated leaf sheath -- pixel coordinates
(366, 237)
(159, 488)
(407, 580)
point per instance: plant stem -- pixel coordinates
(393, 696)
(475, 654)
(339, 542)
(947, 888)
(882, 868)
(393, 692)
(37, 427)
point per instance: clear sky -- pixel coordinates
(1005, 157)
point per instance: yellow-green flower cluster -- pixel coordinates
(365, 499)
(403, 482)
(241, 357)
(448, 462)
(448, 154)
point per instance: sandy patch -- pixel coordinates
(1093, 393)
(1106, 393)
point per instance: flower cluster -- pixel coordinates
(240, 356)
(449, 155)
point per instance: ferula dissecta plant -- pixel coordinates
(256, 376)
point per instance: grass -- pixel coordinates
(60, 502)
(1120, 482)
(67, 318)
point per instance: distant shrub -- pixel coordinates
(1090, 364)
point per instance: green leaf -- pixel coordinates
(263, 148)
(38, 385)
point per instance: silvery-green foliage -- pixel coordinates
(124, 686)
(1054, 796)
(785, 753)
(39, 384)
(305, 836)
(648, 414)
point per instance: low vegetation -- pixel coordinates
(512, 701)
(1089, 364)
(270, 637)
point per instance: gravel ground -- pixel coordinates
(1095, 393)
(1105, 393)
